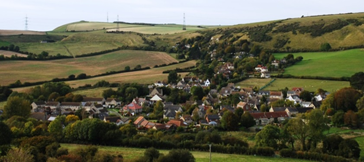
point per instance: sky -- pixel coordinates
(46, 15)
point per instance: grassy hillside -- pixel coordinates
(298, 34)
(130, 154)
(327, 64)
(32, 71)
(134, 27)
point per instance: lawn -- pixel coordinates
(327, 64)
(253, 82)
(32, 71)
(132, 153)
(307, 84)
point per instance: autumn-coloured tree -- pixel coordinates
(345, 99)
(351, 119)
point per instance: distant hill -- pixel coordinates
(341, 31)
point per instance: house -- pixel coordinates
(171, 110)
(315, 104)
(265, 75)
(52, 105)
(277, 109)
(71, 105)
(37, 106)
(133, 108)
(305, 104)
(304, 109)
(297, 90)
(245, 106)
(319, 97)
(112, 119)
(290, 93)
(263, 93)
(275, 63)
(263, 118)
(187, 119)
(112, 102)
(177, 123)
(226, 91)
(156, 98)
(98, 100)
(140, 101)
(156, 91)
(213, 117)
(159, 126)
(291, 111)
(276, 94)
(39, 116)
(295, 99)
(139, 121)
(207, 83)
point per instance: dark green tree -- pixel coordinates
(172, 77)
(177, 155)
(247, 120)
(325, 47)
(345, 99)
(16, 106)
(5, 138)
(305, 95)
(338, 118)
(229, 121)
(127, 68)
(268, 136)
(357, 81)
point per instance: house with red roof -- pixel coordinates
(133, 108)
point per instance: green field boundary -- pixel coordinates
(268, 84)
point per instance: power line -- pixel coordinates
(26, 22)
(184, 22)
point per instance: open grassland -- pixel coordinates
(82, 43)
(307, 84)
(253, 82)
(142, 77)
(130, 154)
(32, 71)
(139, 28)
(93, 92)
(327, 64)
(11, 53)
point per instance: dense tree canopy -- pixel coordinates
(16, 106)
(357, 81)
(345, 99)
(268, 136)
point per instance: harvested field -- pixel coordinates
(11, 53)
(18, 32)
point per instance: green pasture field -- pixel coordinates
(32, 71)
(253, 82)
(327, 64)
(307, 84)
(130, 154)
(92, 92)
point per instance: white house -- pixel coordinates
(207, 83)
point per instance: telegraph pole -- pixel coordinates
(26, 22)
